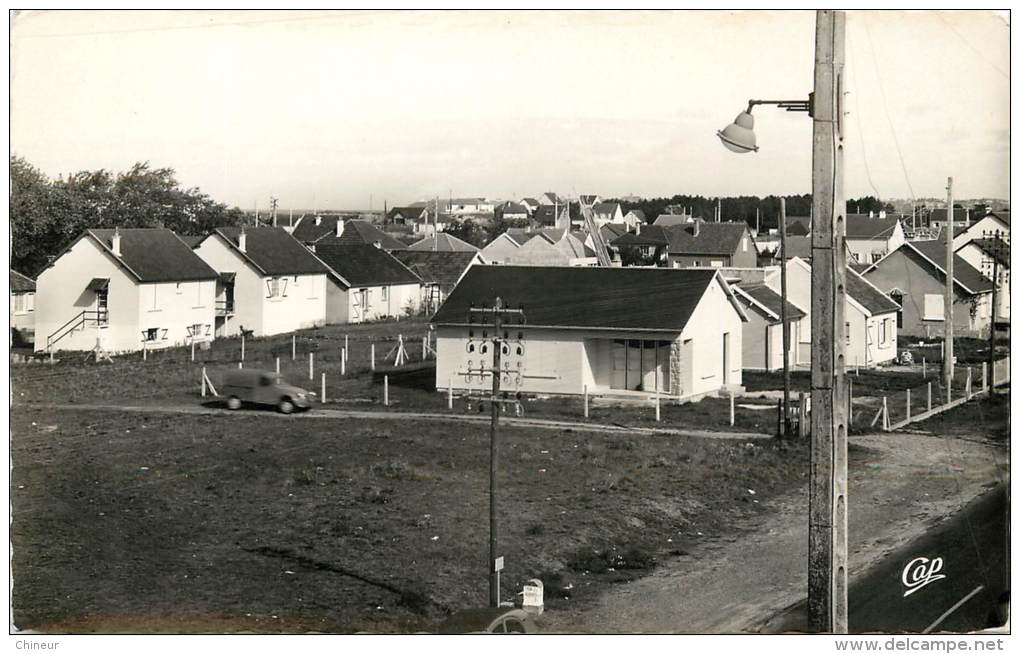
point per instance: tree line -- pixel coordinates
(46, 215)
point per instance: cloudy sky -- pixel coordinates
(340, 109)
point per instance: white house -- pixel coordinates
(466, 206)
(269, 282)
(990, 225)
(367, 283)
(549, 247)
(869, 316)
(763, 331)
(983, 254)
(607, 212)
(124, 289)
(22, 306)
(601, 330)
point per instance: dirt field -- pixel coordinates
(128, 522)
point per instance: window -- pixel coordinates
(385, 293)
(934, 307)
(277, 287)
(716, 263)
(179, 289)
(19, 303)
(743, 244)
(883, 333)
(152, 334)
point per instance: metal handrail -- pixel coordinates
(101, 317)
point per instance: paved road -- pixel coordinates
(974, 548)
(213, 408)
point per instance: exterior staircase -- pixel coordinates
(100, 317)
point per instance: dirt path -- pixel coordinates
(906, 483)
(333, 414)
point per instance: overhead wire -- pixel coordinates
(859, 122)
(885, 106)
(971, 47)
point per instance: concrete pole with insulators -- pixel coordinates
(827, 511)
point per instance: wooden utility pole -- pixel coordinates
(498, 314)
(827, 520)
(947, 350)
(783, 317)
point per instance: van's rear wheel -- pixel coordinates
(233, 403)
(285, 406)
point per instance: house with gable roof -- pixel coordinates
(440, 272)
(269, 283)
(367, 283)
(361, 232)
(124, 289)
(603, 330)
(914, 276)
(869, 237)
(443, 243)
(990, 256)
(711, 245)
(993, 224)
(869, 315)
(763, 332)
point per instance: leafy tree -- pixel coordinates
(468, 231)
(48, 215)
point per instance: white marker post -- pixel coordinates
(203, 381)
(311, 365)
(373, 357)
(386, 390)
(293, 347)
(733, 410)
(908, 405)
(924, 368)
(586, 401)
(984, 376)
(242, 346)
(929, 397)
(322, 396)
(278, 365)
(240, 364)
(424, 348)
(192, 350)
(449, 399)
(657, 413)
(343, 363)
(885, 413)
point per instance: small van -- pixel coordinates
(263, 387)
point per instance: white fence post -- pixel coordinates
(203, 381)
(908, 405)
(449, 397)
(885, 413)
(311, 365)
(242, 346)
(984, 376)
(373, 357)
(293, 347)
(322, 396)
(386, 390)
(924, 367)
(586, 401)
(929, 397)
(424, 348)
(969, 388)
(657, 413)
(732, 409)
(240, 364)
(192, 349)
(343, 363)
(278, 365)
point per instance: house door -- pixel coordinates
(726, 358)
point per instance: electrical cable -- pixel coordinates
(860, 124)
(885, 106)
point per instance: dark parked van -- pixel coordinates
(263, 387)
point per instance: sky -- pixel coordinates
(350, 109)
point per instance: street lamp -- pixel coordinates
(738, 136)
(827, 505)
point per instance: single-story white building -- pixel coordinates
(269, 282)
(124, 289)
(367, 283)
(763, 331)
(22, 306)
(870, 316)
(604, 330)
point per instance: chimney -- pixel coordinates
(871, 214)
(340, 224)
(242, 241)
(115, 241)
(638, 232)
(881, 214)
(697, 227)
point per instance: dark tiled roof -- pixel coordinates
(408, 213)
(155, 255)
(861, 226)
(612, 231)
(771, 300)
(798, 246)
(669, 219)
(798, 225)
(308, 232)
(273, 251)
(995, 248)
(603, 208)
(933, 253)
(521, 236)
(595, 298)
(443, 243)
(870, 297)
(511, 207)
(639, 214)
(359, 232)
(21, 283)
(712, 238)
(365, 265)
(444, 268)
(650, 235)
(546, 214)
(959, 215)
